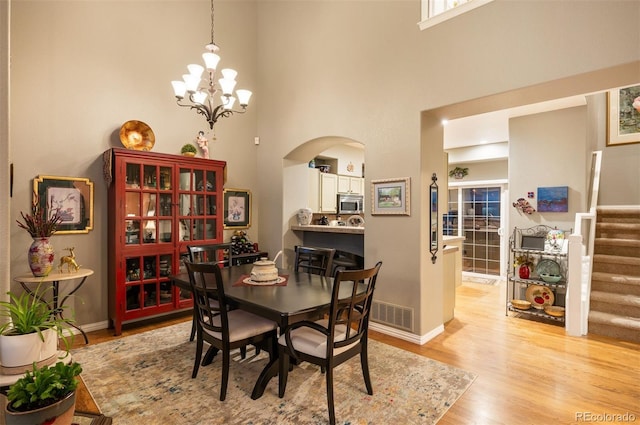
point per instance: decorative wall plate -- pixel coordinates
(539, 296)
(355, 221)
(137, 136)
(548, 267)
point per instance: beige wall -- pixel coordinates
(356, 70)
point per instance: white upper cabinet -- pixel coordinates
(328, 192)
(353, 185)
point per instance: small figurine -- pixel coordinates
(203, 144)
(70, 261)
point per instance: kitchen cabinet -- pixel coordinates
(158, 204)
(348, 184)
(313, 180)
(328, 192)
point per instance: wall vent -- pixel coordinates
(392, 315)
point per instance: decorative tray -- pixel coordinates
(137, 136)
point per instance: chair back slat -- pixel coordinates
(351, 310)
(314, 260)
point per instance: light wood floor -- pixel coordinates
(528, 372)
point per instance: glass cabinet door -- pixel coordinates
(147, 281)
(148, 204)
(198, 200)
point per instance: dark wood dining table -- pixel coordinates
(305, 296)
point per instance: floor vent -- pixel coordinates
(392, 315)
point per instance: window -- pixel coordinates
(437, 11)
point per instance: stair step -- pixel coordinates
(613, 264)
(622, 211)
(613, 325)
(619, 247)
(633, 243)
(620, 304)
(611, 282)
(612, 298)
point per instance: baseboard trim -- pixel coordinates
(406, 336)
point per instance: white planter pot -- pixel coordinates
(23, 350)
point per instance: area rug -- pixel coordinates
(481, 280)
(146, 379)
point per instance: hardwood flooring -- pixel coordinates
(528, 372)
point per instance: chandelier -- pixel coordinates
(201, 94)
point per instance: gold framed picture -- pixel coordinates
(391, 196)
(72, 196)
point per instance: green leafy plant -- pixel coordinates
(459, 172)
(188, 148)
(43, 386)
(38, 223)
(28, 313)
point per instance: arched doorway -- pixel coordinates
(295, 190)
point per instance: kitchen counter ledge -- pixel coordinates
(329, 229)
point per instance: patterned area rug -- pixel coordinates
(146, 379)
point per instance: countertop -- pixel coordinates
(329, 229)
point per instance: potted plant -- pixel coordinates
(41, 226)
(44, 395)
(458, 172)
(188, 150)
(32, 332)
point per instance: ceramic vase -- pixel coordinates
(41, 257)
(524, 271)
(304, 216)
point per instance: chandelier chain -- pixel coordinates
(212, 15)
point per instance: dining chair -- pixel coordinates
(330, 342)
(209, 253)
(314, 260)
(344, 260)
(222, 328)
(219, 253)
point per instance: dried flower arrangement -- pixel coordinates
(38, 224)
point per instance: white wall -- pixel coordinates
(548, 150)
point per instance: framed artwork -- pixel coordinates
(553, 199)
(391, 196)
(237, 208)
(72, 196)
(623, 120)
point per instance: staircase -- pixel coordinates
(615, 281)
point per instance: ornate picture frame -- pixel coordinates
(391, 196)
(237, 208)
(623, 115)
(73, 196)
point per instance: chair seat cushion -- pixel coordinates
(309, 341)
(243, 325)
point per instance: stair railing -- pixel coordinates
(580, 257)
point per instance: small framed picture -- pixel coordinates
(553, 199)
(623, 120)
(237, 208)
(73, 197)
(391, 196)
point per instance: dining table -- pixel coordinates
(303, 296)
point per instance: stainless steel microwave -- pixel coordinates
(350, 204)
